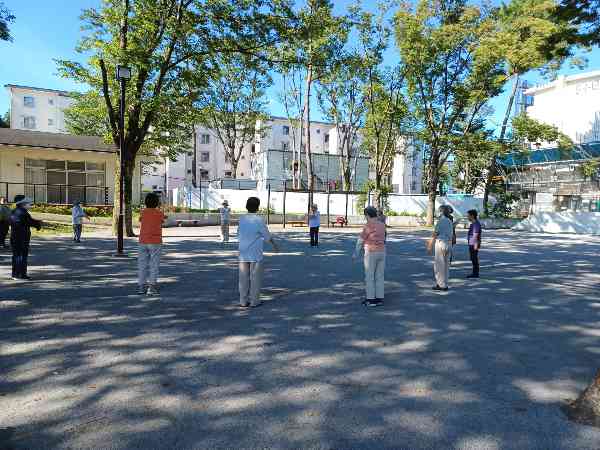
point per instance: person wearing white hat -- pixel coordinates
(225, 212)
(20, 236)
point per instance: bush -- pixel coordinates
(93, 211)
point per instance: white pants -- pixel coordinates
(148, 263)
(251, 274)
(441, 264)
(374, 274)
(225, 231)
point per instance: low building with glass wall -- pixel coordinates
(59, 168)
(555, 180)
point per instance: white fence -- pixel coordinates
(297, 202)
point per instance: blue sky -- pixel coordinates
(46, 30)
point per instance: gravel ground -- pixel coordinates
(87, 364)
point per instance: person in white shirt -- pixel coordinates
(252, 233)
(78, 214)
(314, 222)
(441, 240)
(225, 212)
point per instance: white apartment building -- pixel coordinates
(37, 109)
(270, 160)
(571, 103)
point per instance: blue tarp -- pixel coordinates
(577, 153)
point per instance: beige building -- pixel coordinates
(37, 109)
(58, 168)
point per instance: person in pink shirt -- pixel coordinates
(372, 239)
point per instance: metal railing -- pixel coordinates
(59, 194)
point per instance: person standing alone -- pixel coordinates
(78, 214)
(150, 246)
(474, 241)
(20, 236)
(314, 222)
(4, 222)
(225, 212)
(252, 233)
(372, 239)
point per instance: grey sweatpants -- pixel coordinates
(251, 274)
(148, 263)
(374, 274)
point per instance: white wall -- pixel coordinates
(297, 202)
(48, 109)
(570, 103)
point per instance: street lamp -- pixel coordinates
(123, 74)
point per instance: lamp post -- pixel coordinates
(123, 74)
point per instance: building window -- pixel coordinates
(326, 138)
(189, 171)
(205, 138)
(204, 174)
(285, 146)
(205, 157)
(29, 122)
(242, 174)
(286, 130)
(51, 101)
(65, 182)
(50, 122)
(415, 171)
(29, 102)
(228, 174)
(318, 131)
(190, 153)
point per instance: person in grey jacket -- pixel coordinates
(78, 214)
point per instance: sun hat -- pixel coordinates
(225, 202)
(22, 200)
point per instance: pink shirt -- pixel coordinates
(373, 235)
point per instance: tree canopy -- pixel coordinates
(6, 18)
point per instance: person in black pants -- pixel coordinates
(314, 222)
(4, 221)
(20, 236)
(474, 240)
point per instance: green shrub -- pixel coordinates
(93, 211)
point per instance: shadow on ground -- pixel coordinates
(88, 364)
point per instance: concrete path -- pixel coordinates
(87, 364)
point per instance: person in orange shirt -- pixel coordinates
(151, 219)
(372, 239)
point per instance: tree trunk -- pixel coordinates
(128, 181)
(432, 184)
(586, 409)
(309, 169)
(491, 173)
(234, 168)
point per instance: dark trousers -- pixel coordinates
(77, 232)
(474, 254)
(314, 236)
(20, 252)
(4, 227)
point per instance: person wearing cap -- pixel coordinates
(225, 212)
(441, 242)
(20, 236)
(78, 214)
(4, 222)
(372, 240)
(314, 222)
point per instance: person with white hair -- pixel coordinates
(20, 236)
(225, 213)
(441, 242)
(314, 222)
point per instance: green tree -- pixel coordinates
(233, 104)
(527, 37)
(450, 76)
(584, 17)
(6, 18)
(5, 120)
(341, 96)
(168, 44)
(313, 44)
